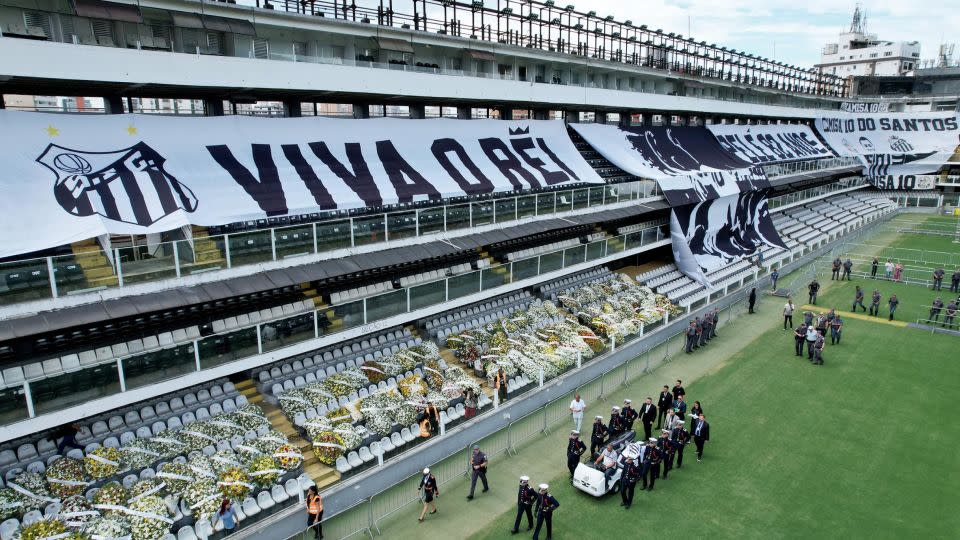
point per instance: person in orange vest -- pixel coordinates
(315, 511)
(433, 415)
(500, 384)
(425, 427)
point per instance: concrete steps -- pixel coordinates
(96, 267)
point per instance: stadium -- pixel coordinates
(302, 269)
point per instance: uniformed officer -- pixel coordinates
(526, 496)
(836, 329)
(955, 281)
(808, 318)
(875, 303)
(799, 336)
(478, 466)
(614, 429)
(707, 328)
(575, 449)
(858, 300)
(546, 504)
(813, 288)
(950, 315)
(680, 437)
(715, 320)
(893, 302)
(691, 335)
(598, 436)
(665, 445)
(651, 459)
(627, 415)
(699, 325)
(818, 350)
(836, 269)
(938, 279)
(628, 482)
(847, 267)
(935, 309)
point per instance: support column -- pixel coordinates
(506, 113)
(464, 113)
(113, 104)
(625, 119)
(599, 117)
(417, 112)
(571, 117)
(2, 104)
(541, 114)
(361, 111)
(292, 108)
(213, 107)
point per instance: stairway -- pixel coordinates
(451, 359)
(321, 474)
(96, 267)
(207, 254)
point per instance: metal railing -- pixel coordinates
(814, 192)
(111, 376)
(797, 167)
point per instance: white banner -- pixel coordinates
(859, 107)
(72, 177)
(904, 182)
(688, 163)
(769, 143)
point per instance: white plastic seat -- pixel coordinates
(342, 466)
(292, 487)
(354, 459)
(365, 454)
(278, 494)
(265, 501)
(186, 533)
(250, 507)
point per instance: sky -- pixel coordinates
(792, 31)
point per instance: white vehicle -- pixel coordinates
(589, 479)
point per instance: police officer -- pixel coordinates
(813, 288)
(665, 445)
(546, 504)
(627, 415)
(818, 350)
(526, 496)
(478, 469)
(935, 310)
(858, 300)
(598, 436)
(938, 279)
(799, 336)
(698, 340)
(680, 437)
(836, 269)
(575, 449)
(807, 318)
(951, 313)
(875, 303)
(651, 460)
(664, 404)
(955, 281)
(836, 327)
(893, 302)
(707, 328)
(691, 335)
(614, 429)
(873, 268)
(714, 321)
(847, 267)
(628, 482)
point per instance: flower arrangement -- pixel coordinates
(202, 467)
(374, 371)
(263, 471)
(412, 386)
(248, 417)
(102, 462)
(149, 518)
(10, 504)
(341, 384)
(203, 499)
(37, 495)
(66, 477)
(269, 443)
(339, 415)
(167, 444)
(223, 460)
(139, 454)
(200, 434)
(148, 486)
(177, 476)
(328, 446)
(234, 483)
(288, 457)
(433, 374)
(43, 529)
(351, 435)
(111, 500)
(108, 528)
(76, 512)
(438, 399)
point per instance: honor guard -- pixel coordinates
(628, 482)
(680, 437)
(614, 428)
(627, 415)
(526, 496)
(667, 450)
(546, 504)
(575, 449)
(598, 436)
(651, 464)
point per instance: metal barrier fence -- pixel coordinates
(924, 257)
(940, 317)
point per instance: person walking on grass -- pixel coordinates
(429, 491)
(774, 276)
(836, 329)
(847, 268)
(875, 303)
(873, 268)
(799, 336)
(478, 469)
(575, 449)
(546, 504)
(893, 302)
(858, 300)
(955, 281)
(752, 299)
(701, 434)
(788, 314)
(835, 275)
(811, 337)
(315, 511)
(813, 287)
(818, 350)
(526, 496)
(577, 407)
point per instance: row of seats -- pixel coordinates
(627, 229)
(448, 319)
(436, 275)
(540, 250)
(548, 290)
(301, 419)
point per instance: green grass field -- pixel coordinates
(859, 447)
(914, 299)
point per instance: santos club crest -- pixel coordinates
(129, 185)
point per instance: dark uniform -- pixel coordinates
(546, 504)
(628, 482)
(714, 321)
(663, 405)
(858, 300)
(836, 328)
(836, 269)
(875, 303)
(818, 350)
(648, 418)
(575, 449)
(667, 451)
(935, 310)
(699, 339)
(955, 282)
(873, 268)
(627, 417)
(951, 313)
(598, 436)
(799, 336)
(707, 325)
(651, 467)
(526, 496)
(680, 437)
(893, 302)
(847, 267)
(813, 288)
(691, 335)
(680, 408)
(615, 427)
(938, 279)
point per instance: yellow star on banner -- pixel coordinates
(52, 131)
(131, 130)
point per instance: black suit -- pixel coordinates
(701, 434)
(663, 405)
(648, 417)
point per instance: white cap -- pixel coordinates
(615, 409)
(598, 417)
(652, 440)
(544, 487)
(524, 478)
(627, 401)
(426, 470)
(574, 432)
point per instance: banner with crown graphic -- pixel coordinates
(70, 178)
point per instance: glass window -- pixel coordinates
(69, 389)
(368, 230)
